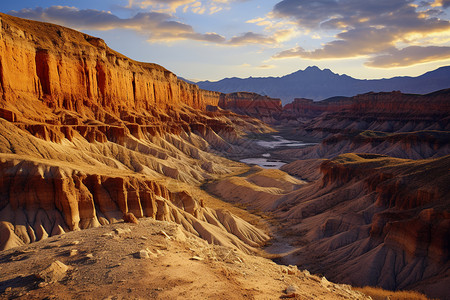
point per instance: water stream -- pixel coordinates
(276, 143)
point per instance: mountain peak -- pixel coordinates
(312, 68)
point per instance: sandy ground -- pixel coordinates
(105, 263)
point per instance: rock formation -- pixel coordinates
(88, 135)
(251, 104)
(387, 112)
(364, 219)
(67, 69)
(413, 145)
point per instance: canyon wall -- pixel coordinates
(361, 219)
(420, 111)
(88, 136)
(251, 104)
(68, 69)
(383, 102)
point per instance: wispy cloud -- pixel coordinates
(382, 30)
(251, 38)
(157, 26)
(195, 6)
(407, 56)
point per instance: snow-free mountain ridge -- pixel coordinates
(314, 83)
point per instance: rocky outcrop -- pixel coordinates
(387, 112)
(363, 219)
(67, 69)
(88, 136)
(412, 145)
(41, 200)
(391, 215)
(251, 104)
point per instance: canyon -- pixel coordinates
(91, 140)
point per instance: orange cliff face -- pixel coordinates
(251, 104)
(67, 69)
(89, 135)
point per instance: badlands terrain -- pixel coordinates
(118, 180)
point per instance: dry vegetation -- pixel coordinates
(381, 294)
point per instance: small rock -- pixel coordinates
(90, 256)
(107, 234)
(73, 252)
(324, 282)
(122, 231)
(196, 258)
(42, 284)
(143, 254)
(130, 218)
(164, 234)
(55, 272)
(290, 289)
(144, 238)
(8, 289)
(75, 243)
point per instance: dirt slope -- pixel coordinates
(108, 262)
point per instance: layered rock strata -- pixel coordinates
(363, 219)
(412, 145)
(251, 104)
(390, 215)
(67, 69)
(88, 135)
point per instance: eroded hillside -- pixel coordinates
(88, 135)
(362, 219)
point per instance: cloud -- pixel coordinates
(443, 3)
(195, 6)
(409, 56)
(157, 26)
(376, 29)
(266, 66)
(251, 38)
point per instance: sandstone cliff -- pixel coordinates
(387, 112)
(88, 135)
(251, 104)
(67, 69)
(391, 215)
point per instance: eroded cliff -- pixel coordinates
(88, 135)
(363, 219)
(67, 69)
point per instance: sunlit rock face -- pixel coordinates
(251, 104)
(88, 135)
(68, 69)
(388, 112)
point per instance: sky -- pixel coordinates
(215, 39)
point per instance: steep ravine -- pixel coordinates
(363, 219)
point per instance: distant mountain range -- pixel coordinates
(314, 83)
